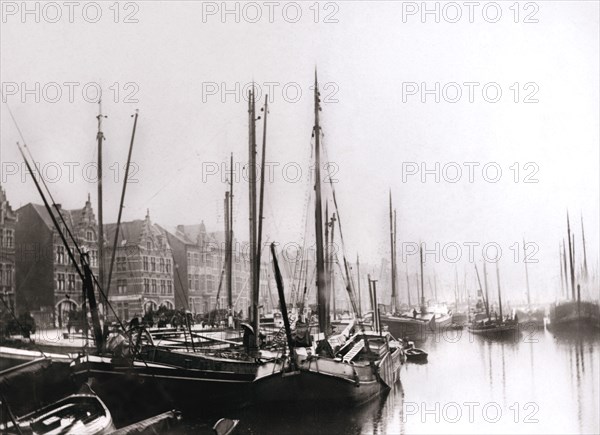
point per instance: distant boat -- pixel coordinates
(498, 326)
(77, 414)
(417, 324)
(413, 325)
(574, 314)
(531, 317)
(494, 328)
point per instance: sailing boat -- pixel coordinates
(348, 368)
(575, 312)
(498, 326)
(530, 317)
(193, 376)
(416, 324)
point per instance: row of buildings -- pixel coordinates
(153, 267)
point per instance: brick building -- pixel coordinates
(200, 257)
(143, 272)
(8, 221)
(47, 281)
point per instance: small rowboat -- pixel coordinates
(416, 355)
(81, 414)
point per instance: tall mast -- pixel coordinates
(252, 212)
(230, 240)
(395, 261)
(422, 288)
(585, 267)
(327, 265)
(227, 220)
(456, 292)
(571, 264)
(487, 295)
(392, 255)
(499, 293)
(126, 177)
(359, 292)
(560, 261)
(322, 295)
(408, 286)
(485, 302)
(526, 274)
(331, 265)
(100, 138)
(265, 110)
(565, 268)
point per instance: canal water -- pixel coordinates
(535, 382)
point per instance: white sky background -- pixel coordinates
(369, 132)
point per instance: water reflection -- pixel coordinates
(538, 383)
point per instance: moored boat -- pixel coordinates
(77, 414)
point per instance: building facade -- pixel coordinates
(8, 221)
(47, 282)
(200, 257)
(143, 272)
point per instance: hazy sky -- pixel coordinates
(178, 58)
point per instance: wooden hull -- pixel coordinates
(173, 384)
(29, 384)
(572, 315)
(80, 414)
(332, 381)
(407, 327)
(442, 322)
(496, 331)
(416, 355)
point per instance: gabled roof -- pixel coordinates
(134, 233)
(77, 218)
(130, 233)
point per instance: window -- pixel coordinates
(8, 275)
(210, 283)
(153, 286)
(196, 259)
(1, 274)
(146, 285)
(61, 281)
(163, 287)
(202, 283)
(145, 263)
(125, 311)
(153, 264)
(169, 287)
(189, 282)
(149, 245)
(8, 238)
(121, 264)
(71, 282)
(94, 258)
(209, 260)
(161, 265)
(189, 258)
(89, 235)
(60, 254)
(196, 282)
(168, 265)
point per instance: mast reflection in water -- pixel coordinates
(535, 383)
